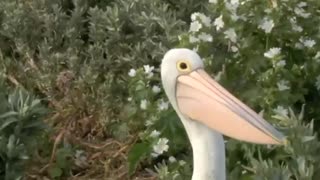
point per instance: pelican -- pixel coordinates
(208, 111)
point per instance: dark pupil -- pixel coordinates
(183, 66)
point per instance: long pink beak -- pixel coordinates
(202, 99)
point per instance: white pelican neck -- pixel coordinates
(208, 151)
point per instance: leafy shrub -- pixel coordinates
(63, 163)
(77, 54)
(267, 54)
(21, 124)
(101, 59)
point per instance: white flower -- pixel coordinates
(261, 113)
(280, 64)
(234, 2)
(268, 11)
(309, 43)
(234, 48)
(148, 70)
(232, 6)
(213, 1)
(293, 20)
(281, 111)
(193, 39)
(182, 162)
(195, 26)
(218, 22)
(195, 49)
(297, 28)
(317, 55)
(300, 12)
(218, 76)
(129, 99)
(156, 89)
(204, 19)
(294, 25)
(298, 45)
(306, 42)
(231, 35)
(172, 159)
(272, 52)
(318, 82)
(205, 37)
(266, 25)
(302, 4)
(143, 104)
(132, 73)
(161, 146)
(283, 85)
(163, 105)
(274, 3)
(235, 17)
(269, 146)
(154, 134)
(149, 123)
(194, 16)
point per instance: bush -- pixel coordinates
(21, 125)
(77, 54)
(267, 54)
(99, 60)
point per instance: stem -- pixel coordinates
(267, 43)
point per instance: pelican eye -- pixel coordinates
(183, 66)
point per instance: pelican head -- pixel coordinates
(198, 98)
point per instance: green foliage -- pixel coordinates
(63, 163)
(173, 170)
(148, 105)
(137, 152)
(101, 59)
(21, 124)
(77, 54)
(267, 54)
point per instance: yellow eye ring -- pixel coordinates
(183, 66)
